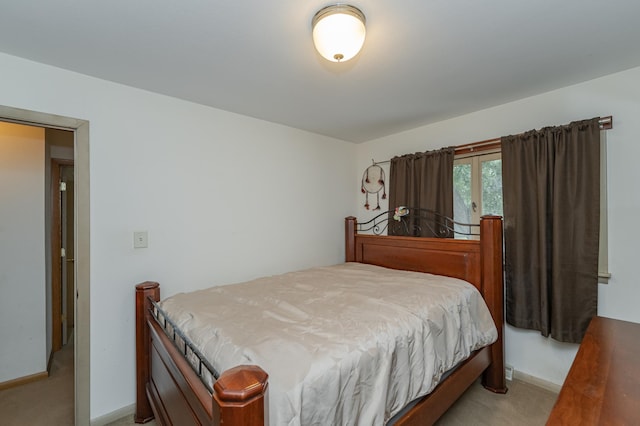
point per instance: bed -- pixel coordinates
(178, 384)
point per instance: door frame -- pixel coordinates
(56, 259)
(81, 333)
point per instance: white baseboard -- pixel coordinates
(536, 381)
(129, 410)
(24, 380)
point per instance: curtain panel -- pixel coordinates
(423, 180)
(551, 193)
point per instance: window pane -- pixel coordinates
(492, 187)
(462, 194)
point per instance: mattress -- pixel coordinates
(348, 344)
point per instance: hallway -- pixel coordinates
(44, 402)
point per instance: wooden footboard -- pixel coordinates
(169, 389)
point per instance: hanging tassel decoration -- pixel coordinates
(371, 185)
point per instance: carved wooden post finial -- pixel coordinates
(240, 395)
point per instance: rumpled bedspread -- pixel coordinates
(349, 344)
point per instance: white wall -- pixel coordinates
(22, 252)
(224, 198)
(617, 95)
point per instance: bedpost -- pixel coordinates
(240, 396)
(493, 290)
(350, 223)
(144, 413)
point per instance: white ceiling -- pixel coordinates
(422, 61)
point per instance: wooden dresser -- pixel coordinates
(603, 384)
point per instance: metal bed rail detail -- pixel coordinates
(198, 362)
(412, 222)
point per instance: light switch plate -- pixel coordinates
(140, 239)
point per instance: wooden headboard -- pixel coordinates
(464, 259)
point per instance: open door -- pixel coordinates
(62, 241)
(68, 260)
(81, 265)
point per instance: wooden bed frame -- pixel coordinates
(169, 390)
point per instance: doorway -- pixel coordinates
(80, 334)
(62, 252)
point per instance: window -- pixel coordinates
(477, 191)
(477, 188)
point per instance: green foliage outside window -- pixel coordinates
(480, 174)
(492, 187)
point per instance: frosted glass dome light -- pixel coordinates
(338, 32)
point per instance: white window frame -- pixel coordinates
(475, 160)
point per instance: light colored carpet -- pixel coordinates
(523, 405)
(44, 402)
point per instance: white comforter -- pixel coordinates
(343, 345)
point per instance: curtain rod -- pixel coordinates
(606, 123)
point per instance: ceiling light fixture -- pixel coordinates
(338, 32)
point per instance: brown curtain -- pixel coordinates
(551, 189)
(423, 180)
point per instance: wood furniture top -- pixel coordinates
(603, 384)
